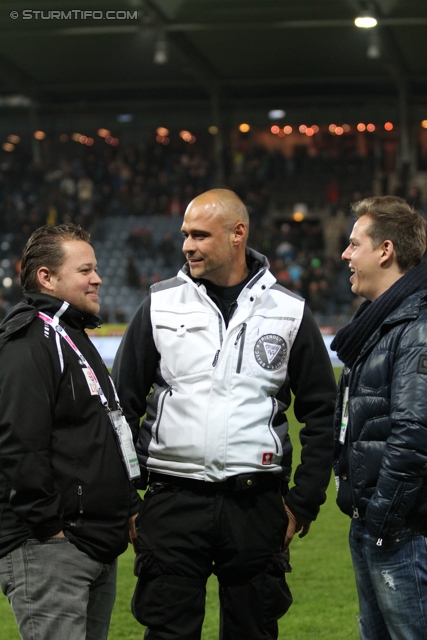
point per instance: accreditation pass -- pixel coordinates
(124, 436)
(344, 416)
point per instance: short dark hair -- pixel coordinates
(394, 219)
(45, 249)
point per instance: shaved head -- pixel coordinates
(224, 203)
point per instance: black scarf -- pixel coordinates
(370, 315)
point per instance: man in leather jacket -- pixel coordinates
(66, 501)
(381, 419)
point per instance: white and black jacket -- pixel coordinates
(219, 393)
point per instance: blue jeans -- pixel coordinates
(391, 583)
(57, 591)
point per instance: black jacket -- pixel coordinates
(60, 465)
(382, 466)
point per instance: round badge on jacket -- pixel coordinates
(270, 351)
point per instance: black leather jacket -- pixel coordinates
(382, 466)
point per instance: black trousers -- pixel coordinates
(188, 529)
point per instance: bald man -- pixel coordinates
(210, 359)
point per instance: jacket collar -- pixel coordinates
(407, 311)
(73, 317)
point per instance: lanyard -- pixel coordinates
(60, 331)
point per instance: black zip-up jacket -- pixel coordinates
(382, 466)
(60, 464)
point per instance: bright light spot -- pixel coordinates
(213, 130)
(192, 140)
(185, 135)
(103, 133)
(63, 137)
(302, 128)
(276, 114)
(89, 142)
(114, 142)
(275, 129)
(83, 139)
(39, 135)
(332, 128)
(162, 131)
(315, 128)
(298, 216)
(287, 129)
(13, 139)
(309, 132)
(361, 126)
(346, 127)
(424, 124)
(244, 128)
(365, 22)
(76, 137)
(8, 146)
(7, 282)
(388, 126)
(371, 127)
(339, 131)
(108, 139)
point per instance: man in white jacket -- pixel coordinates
(221, 346)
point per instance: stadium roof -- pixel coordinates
(237, 58)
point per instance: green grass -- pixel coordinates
(322, 584)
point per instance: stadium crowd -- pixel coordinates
(87, 185)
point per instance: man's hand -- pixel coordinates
(133, 536)
(296, 523)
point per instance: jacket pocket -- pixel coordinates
(160, 407)
(187, 338)
(240, 342)
(270, 422)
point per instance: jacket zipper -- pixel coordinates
(355, 514)
(80, 498)
(240, 336)
(160, 412)
(216, 356)
(72, 386)
(270, 422)
(384, 529)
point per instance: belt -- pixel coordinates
(241, 482)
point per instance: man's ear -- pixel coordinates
(239, 233)
(387, 253)
(44, 279)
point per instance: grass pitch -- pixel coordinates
(322, 584)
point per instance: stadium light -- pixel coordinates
(161, 50)
(365, 20)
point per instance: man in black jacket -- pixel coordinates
(67, 503)
(381, 419)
